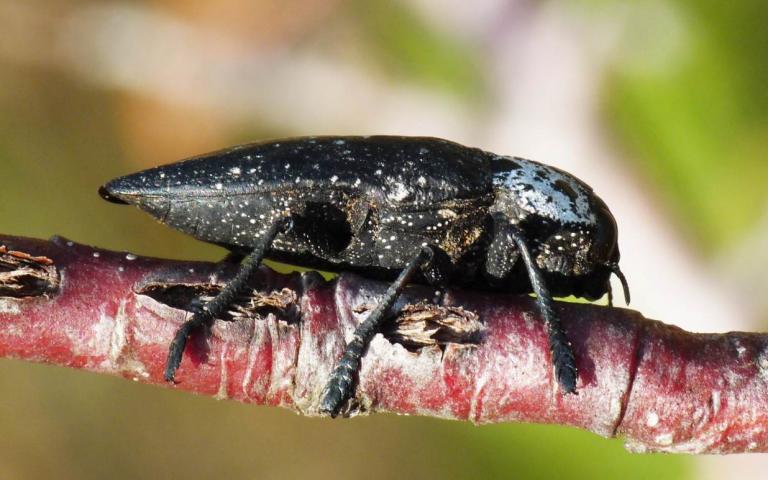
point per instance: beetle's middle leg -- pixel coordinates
(221, 302)
(342, 382)
(559, 346)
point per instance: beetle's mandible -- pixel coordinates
(407, 209)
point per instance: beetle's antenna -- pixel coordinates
(617, 271)
(610, 294)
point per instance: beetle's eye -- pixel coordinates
(605, 235)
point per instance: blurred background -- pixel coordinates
(660, 105)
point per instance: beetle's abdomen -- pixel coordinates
(230, 195)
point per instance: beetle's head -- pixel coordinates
(573, 234)
(588, 251)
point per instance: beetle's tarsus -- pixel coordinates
(176, 350)
(223, 301)
(342, 382)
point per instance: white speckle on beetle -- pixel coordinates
(130, 256)
(334, 179)
(219, 186)
(96, 254)
(542, 190)
(399, 192)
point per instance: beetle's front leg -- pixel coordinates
(342, 382)
(221, 302)
(562, 353)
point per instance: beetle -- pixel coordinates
(404, 209)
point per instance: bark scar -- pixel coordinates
(25, 275)
(187, 297)
(425, 324)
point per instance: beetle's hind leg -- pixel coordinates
(342, 382)
(559, 346)
(234, 257)
(221, 302)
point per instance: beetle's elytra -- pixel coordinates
(400, 208)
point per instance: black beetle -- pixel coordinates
(399, 208)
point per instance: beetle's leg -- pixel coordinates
(500, 258)
(221, 302)
(437, 272)
(342, 381)
(234, 256)
(439, 296)
(562, 353)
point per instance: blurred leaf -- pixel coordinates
(409, 46)
(525, 451)
(699, 125)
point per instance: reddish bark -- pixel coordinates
(661, 388)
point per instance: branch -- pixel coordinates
(479, 357)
